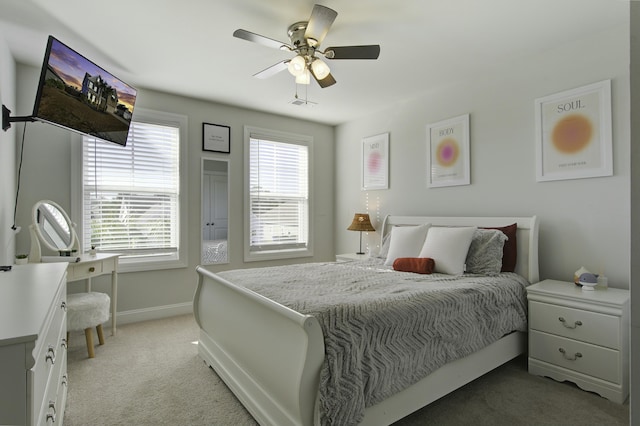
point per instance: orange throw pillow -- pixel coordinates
(418, 265)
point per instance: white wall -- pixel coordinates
(635, 213)
(46, 174)
(7, 157)
(584, 222)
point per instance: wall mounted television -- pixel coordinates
(78, 95)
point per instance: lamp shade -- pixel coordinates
(297, 65)
(304, 77)
(320, 69)
(361, 222)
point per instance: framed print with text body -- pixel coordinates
(216, 138)
(375, 162)
(573, 133)
(448, 152)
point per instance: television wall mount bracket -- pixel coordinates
(7, 119)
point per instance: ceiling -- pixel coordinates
(187, 48)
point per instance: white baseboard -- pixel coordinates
(156, 312)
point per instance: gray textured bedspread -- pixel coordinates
(385, 330)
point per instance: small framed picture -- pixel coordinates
(448, 152)
(216, 138)
(375, 162)
(573, 133)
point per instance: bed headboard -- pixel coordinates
(526, 234)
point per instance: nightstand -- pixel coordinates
(580, 336)
(350, 257)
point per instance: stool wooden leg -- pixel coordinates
(88, 333)
(100, 334)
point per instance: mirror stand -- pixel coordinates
(52, 228)
(35, 253)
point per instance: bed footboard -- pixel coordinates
(269, 355)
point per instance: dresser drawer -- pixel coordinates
(84, 270)
(583, 357)
(52, 408)
(591, 327)
(51, 355)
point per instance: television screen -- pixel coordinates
(76, 94)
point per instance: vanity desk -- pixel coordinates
(52, 228)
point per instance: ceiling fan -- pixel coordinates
(306, 37)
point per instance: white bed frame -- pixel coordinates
(270, 356)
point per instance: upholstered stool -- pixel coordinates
(85, 311)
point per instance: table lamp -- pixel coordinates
(361, 222)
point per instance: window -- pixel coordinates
(277, 200)
(132, 196)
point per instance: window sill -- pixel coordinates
(276, 255)
(142, 266)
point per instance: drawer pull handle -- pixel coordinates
(64, 343)
(64, 380)
(63, 305)
(92, 269)
(575, 356)
(564, 322)
(51, 355)
(51, 415)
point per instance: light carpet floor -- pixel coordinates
(150, 374)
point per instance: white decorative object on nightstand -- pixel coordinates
(350, 257)
(580, 336)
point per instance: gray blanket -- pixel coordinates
(385, 330)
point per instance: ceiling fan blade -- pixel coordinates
(272, 70)
(371, 51)
(257, 38)
(325, 82)
(321, 20)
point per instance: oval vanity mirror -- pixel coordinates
(215, 211)
(52, 228)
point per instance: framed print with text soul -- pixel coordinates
(375, 162)
(573, 133)
(448, 152)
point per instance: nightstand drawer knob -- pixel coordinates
(575, 356)
(92, 269)
(564, 322)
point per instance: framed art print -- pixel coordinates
(375, 162)
(573, 133)
(216, 138)
(448, 152)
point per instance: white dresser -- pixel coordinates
(33, 348)
(580, 336)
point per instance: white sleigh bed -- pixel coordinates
(271, 356)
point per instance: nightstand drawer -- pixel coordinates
(585, 358)
(591, 327)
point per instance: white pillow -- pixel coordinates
(384, 250)
(448, 247)
(406, 241)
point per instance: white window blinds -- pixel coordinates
(131, 193)
(278, 194)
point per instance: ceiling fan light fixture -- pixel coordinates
(320, 69)
(297, 65)
(304, 77)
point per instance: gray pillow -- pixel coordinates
(485, 252)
